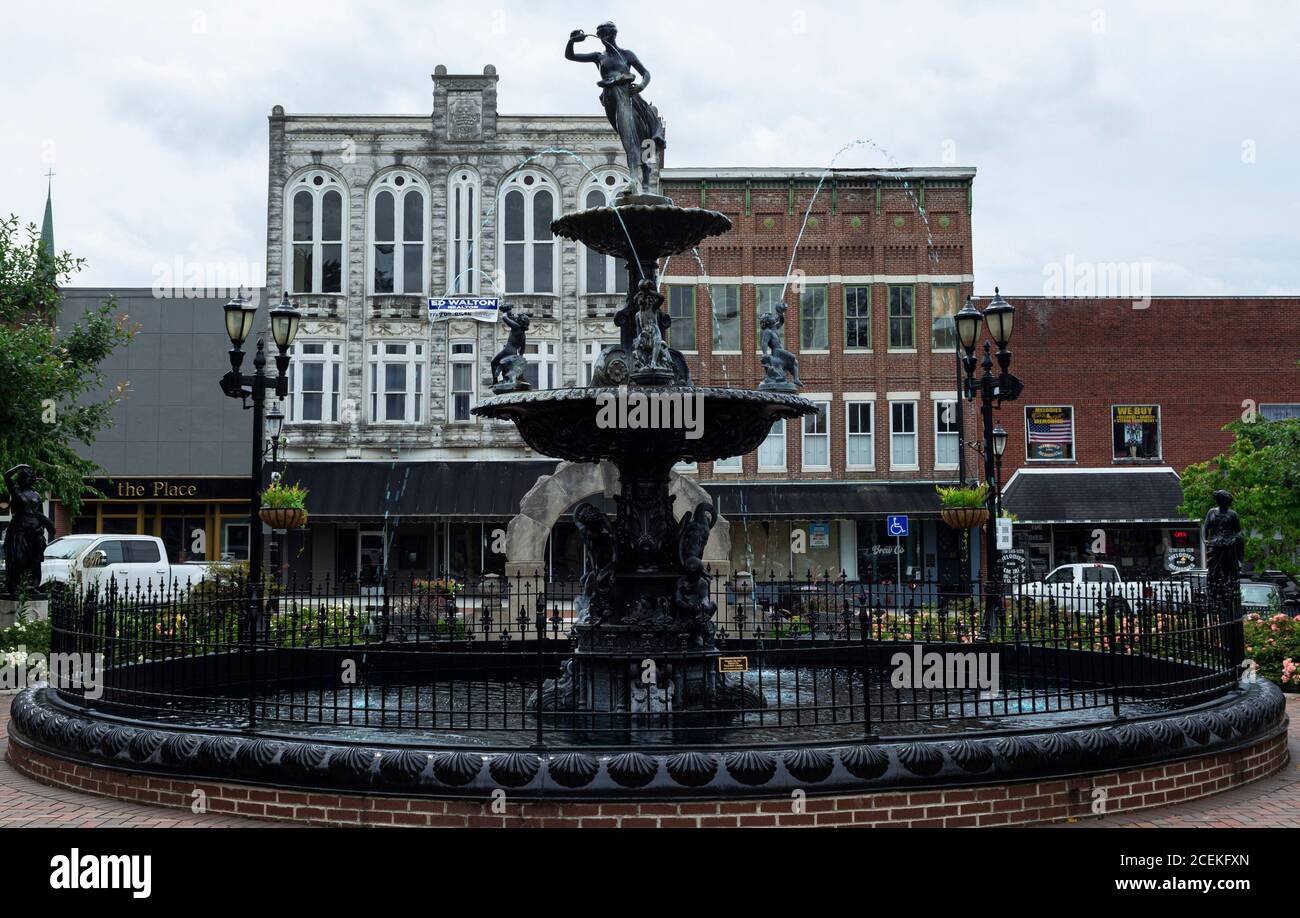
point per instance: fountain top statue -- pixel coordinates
(635, 120)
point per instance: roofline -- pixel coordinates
(688, 174)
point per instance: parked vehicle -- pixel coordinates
(1092, 588)
(129, 562)
(1263, 598)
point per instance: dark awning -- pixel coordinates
(836, 499)
(420, 489)
(1089, 496)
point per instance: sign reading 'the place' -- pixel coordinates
(479, 308)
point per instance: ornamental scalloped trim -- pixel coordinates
(971, 756)
(351, 765)
(1196, 728)
(809, 765)
(256, 756)
(303, 760)
(1060, 748)
(1166, 735)
(1221, 726)
(692, 769)
(865, 762)
(1238, 717)
(70, 735)
(178, 749)
(116, 741)
(573, 769)
(217, 752)
(49, 727)
(514, 769)
(1099, 745)
(1018, 752)
(457, 768)
(403, 766)
(143, 745)
(1135, 739)
(632, 769)
(921, 759)
(750, 767)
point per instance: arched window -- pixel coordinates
(462, 230)
(528, 250)
(315, 204)
(399, 234)
(602, 273)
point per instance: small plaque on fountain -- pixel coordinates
(733, 664)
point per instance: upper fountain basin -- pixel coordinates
(640, 231)
(592, 424)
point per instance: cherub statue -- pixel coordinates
(776, 359)
(601, 545)
(508, 366)
(649, 351)
(692, 598)
(693, 533)
(24, 544)
(634, 119)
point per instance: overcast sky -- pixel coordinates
(1151, 133)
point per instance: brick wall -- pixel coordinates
(1004, 805)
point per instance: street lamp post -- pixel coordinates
(274, 426)
(992, 390)
(252, 390)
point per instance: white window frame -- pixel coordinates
(416, 361)
(825, 317)
(849, 402)
(938, 400)
(400, 183)
(332, 377)
(894, 434)
(464, 205)
(823, 401)
(1074, 437)
(307, 182)
(608, 183)
(545, 355)
(464, 358)
(695, 315)
(591, 351)
(520, 182)
(871, 332)
(780, 424)
(713, 319)
(733, 465)
(759, 311)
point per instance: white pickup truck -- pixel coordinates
(130, 562)
(1091, 588)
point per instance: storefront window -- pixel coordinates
(1136, 431)
(234, 540)
(882, 557)
(1049, 433)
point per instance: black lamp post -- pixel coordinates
(240, 314)
(274, 427)
(992, 390)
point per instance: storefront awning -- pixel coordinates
(1148, 495)
(416, 489)
(835, 500)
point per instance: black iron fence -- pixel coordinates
(476, 659)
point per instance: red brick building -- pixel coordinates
(1120, 397)
(883, 254)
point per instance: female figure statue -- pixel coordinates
(25, 538)
(634, 119)
(1224, 545)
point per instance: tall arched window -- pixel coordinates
(462, 230)
(528, 250)
(399, 234)
(602, 273)
(316, 204)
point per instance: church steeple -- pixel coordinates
(47, 224)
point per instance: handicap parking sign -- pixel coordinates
(897, 525)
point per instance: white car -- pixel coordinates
(1092, 588)
(129, 562)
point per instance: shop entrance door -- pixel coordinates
(370, 558)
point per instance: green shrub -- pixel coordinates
(1273, 642)
(958, 497)
(281, 496)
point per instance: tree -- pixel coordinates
(48, 373)
(1262, 470)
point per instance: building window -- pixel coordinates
(812, 319)
(315, 375)
(1135, 430)
(591, 351)
(902, 318)
(1049, 433)
(771, 454)
(943, 306)
(766, 298)
(396, 382)
(726, 317)
(730, 466)
(462, 230)
(542, 371)
(462, 380)
(681, 308)
(902, 435)
(528, 246)
(399, 234)
(817, 438)
(947, 435)
(861, 432)
(1279, 412)
(316, 205)
(857, 318)
(603, 273)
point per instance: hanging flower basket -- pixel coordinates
(965, 517)
(284, 517)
